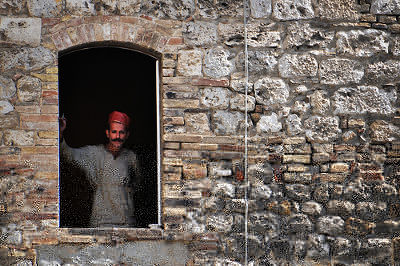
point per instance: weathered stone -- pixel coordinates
(219, 223)
(215, 97)
(294, 65)
(311, 208)
(190, 63)
(260, 192)
(385, 7)
(21, 30)
(200, 33)
(363, 99)
(269, 124)
(26, 59)
(123, 7)
(331, 225)
(8, 7)
(362, 42)
(7, 88)
(5, 107)
(396, 46)
(271, 91)
(197, 123)
(80, 8)
(342, 247)
(317, 248)
(298, 192)
(299, 223)
(229, 123)
(378, 249)
(300, 34)
(338, 207)
(338, 71)
(321, 193)
(320, 103)
(371, 211)
(383, 72)
(293, 125)
(300, 107)
(214, 9)
(348, 136)
(260, 172)
(382, 131)
(356, 191)
(43, 8)
(217, 63)
(339, 10)
(385, 191)
(238, 83)
(224, 189)
(260, 8)
(238, 102)
(355, 226)
(339, 168)
(322, 129)
(29, 89)
(289, 10)
(18, 138)
(259, 61)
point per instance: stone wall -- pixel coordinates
(323, 130)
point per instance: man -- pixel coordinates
(111, 170)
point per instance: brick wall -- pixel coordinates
(323, 130)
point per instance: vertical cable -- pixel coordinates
(246, 69)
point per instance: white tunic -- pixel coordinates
(110, 179)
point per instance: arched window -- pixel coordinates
(94, 81)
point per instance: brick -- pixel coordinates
(303, 178)
(367, 18)
(322, 148)
(9, 121)
(210, 82)
(50, 97)
(182, 138)
(169, 211)
(172, 161)
(39, 150)
(49, 109)
(193, 171)
(31, 109)
(387, 19)
(47, 175)
(334, 177)
(39, 117)
(76, 239)
(372, 176)
(296, 158)
(218, 139)
(297, 168)
(183, 154)
(356, 123)
(199, 146)
(339, 168)
(46, 77)
(175, 41)
(344, 147)
(174, 121)
(294, 140)
(180, 103)
(172, 145)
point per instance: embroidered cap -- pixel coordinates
(119, 117)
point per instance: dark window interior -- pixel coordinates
(92, 83)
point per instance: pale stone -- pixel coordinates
(43, 8)
(292, 10)
(369, 210)
(29, 89)
(27, 59)
(21, 30)
(320, 103)
(229, 123)
(7, 88)
(219, 223)
(348, 135)
(200, 33)
(299, 223)
(217, 63)
(271, 91)
(260, 191)
(311, 208)
(294, 65)
(362, 42)
(214, 9)
(238, 102)
(341, 246)
(258, 34)
(175, 9)
(5, 107)
(322, 129)
(340, 207)
(238, 84)
(215, 97)
(190, 63)
(11, 6)
(123, 7)
(301, 89)
(339, 10)
(293, 125)
(298, 192)
(224, 188)
(80, 7)
(385, 7)
(18, 138)
(300, 107)
(260, 61)
(269, 124)
(260, 8)
(197, 123)
(364, 99)
(382, 131)
(330, 225)
(384, 72)
(300, 34)
(396, 46)
(338, 71)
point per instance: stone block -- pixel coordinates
(238, 102)
(299, 223)
(180, 103)
(339, 168)
(190, 63)
(291, 158)
(271, 92)
(297, 148)
(191, 171)
(339, 207)
(43, 8)
(21, 30)
(228, 123)
(6, 107)
(9, 121)
(334, 177)
(287, 10)
(7, 88)
(29, 89)
(362, 42)
(371, 211)
(217, 63)
(217, 98)
(330, 225)
(322, 129)
(311, 208)
(260, 61)
(301, 34)
(200, 33)
(339, 10)
(319, 102)
(339, 71)
(298, 192)
(382, 131)
(298, 168)
(260, 8)
(383, 72)
(303, 178)
(385, 7)
(293, 125)
(358, 227)
(26, 59)
(298, 65)
(269, 124)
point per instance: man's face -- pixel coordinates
(117, 134)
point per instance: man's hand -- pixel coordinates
(63, 124)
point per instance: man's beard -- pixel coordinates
(115, 149)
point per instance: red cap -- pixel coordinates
(119, 117)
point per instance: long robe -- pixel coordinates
(111, 180)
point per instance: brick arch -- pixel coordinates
(143, 34)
